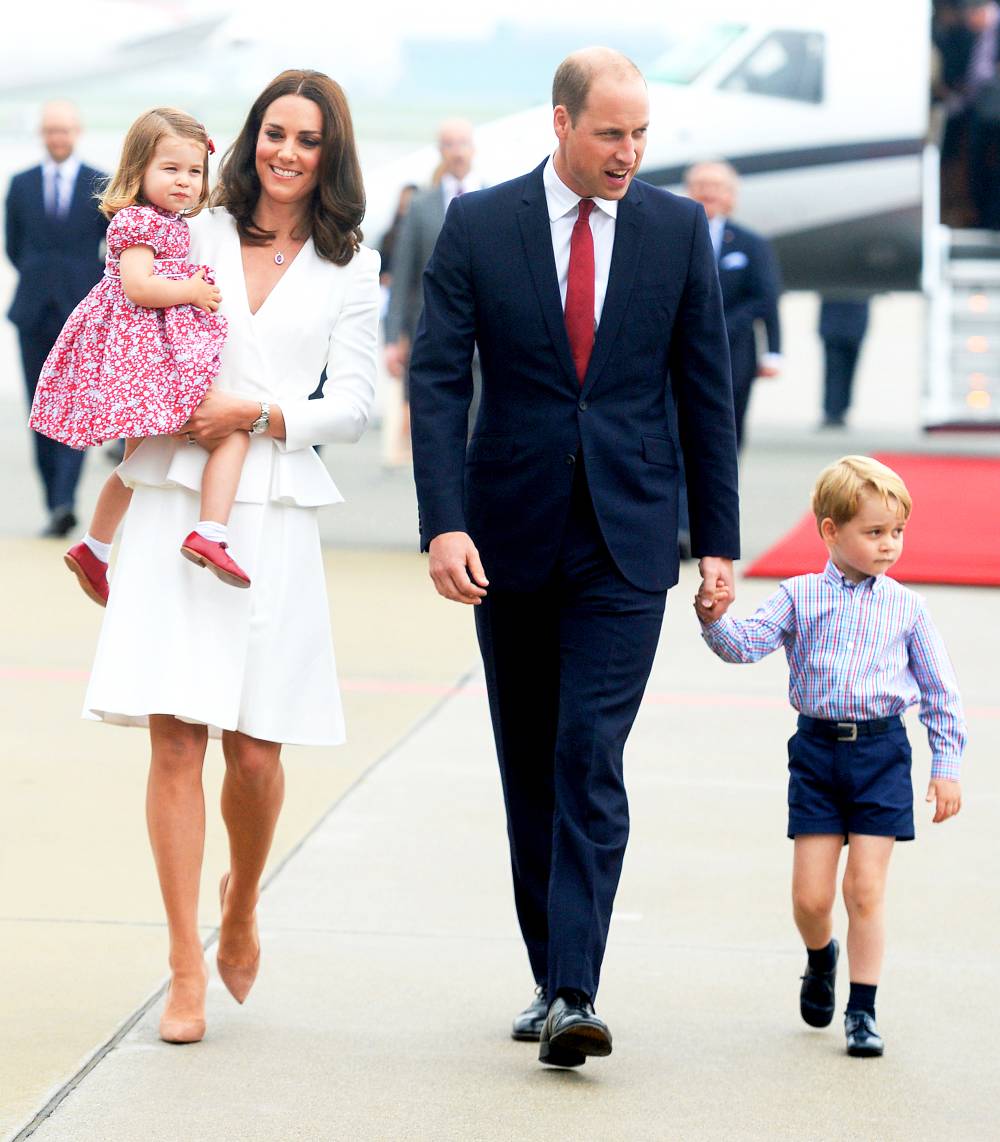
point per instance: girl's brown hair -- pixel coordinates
(124, 188)
(338, 201)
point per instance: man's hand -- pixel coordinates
(717, 583)
(947, 794)
(769, 371)
(455, 568)
(396, 355)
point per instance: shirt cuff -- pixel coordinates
(945, 768)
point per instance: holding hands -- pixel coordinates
(717, 590)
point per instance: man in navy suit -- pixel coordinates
(54, 233)
(594, 301)
(751, 283)
(843, 323)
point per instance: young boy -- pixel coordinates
(861, 649)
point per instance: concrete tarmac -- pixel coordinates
(391, 961)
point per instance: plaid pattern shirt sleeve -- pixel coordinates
(750, 640)
(940, 704)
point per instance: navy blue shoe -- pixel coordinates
(571, 1033)
(863, 1039)
(528, 1025)
(816, 999)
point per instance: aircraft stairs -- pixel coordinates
(961, 281)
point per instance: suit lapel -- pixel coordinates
(533, 218)
(624, 259)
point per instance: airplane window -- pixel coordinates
(684, 61)
(785, 65)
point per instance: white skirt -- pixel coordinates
(175, 640)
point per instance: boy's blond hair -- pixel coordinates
(838, 490)
(124, 188)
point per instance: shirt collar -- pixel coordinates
(560, 200)
(835, 576)
(717, 230)
(68, 168)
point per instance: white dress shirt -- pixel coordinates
(716, 229)
(452, 187)
(563, 206)
(58, 180)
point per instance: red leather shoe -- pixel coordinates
(90, 571)
(207, 553)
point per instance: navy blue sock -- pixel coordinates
(862, 998)
(821, 959)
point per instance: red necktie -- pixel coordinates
(580, 290)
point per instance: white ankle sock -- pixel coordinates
(101, 550)
(212, 531)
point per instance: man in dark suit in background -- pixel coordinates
(594, 301)
(843, 323)
(54, 233)
(750, 279)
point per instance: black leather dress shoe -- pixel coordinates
(528, 1025)
(863, 1039)
(61, 523)
(816, 999)
(572, 1032)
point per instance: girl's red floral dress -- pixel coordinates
(123, 370)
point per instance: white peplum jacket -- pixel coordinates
(175, 640)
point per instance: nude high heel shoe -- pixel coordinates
(183, 1029)
(238, 978)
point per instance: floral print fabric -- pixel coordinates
(123, 370)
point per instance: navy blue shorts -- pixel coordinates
(860, 786)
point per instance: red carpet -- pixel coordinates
(953, 534)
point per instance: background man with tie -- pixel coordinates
(750, 280)
(566, 497)
(54, 233)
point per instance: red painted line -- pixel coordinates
(389, 686)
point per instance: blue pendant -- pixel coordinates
(279, 259)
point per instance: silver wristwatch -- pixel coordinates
(261, 423)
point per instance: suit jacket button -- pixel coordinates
(570, 459)
(583, 406)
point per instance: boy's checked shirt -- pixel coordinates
(855, 651)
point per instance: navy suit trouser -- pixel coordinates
(566, 667)
(838, 378)
(58, 465)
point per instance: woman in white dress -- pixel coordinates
(181, 652)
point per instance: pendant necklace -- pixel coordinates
(279, 259)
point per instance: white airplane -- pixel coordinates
(822, 108)
(68, 41)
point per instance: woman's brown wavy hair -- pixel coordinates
(124, 188)
(338, 201)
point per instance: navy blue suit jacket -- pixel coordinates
(751, 286)
(492, 282)
(57, 260)
(843, 319)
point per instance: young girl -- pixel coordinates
(137, 355)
